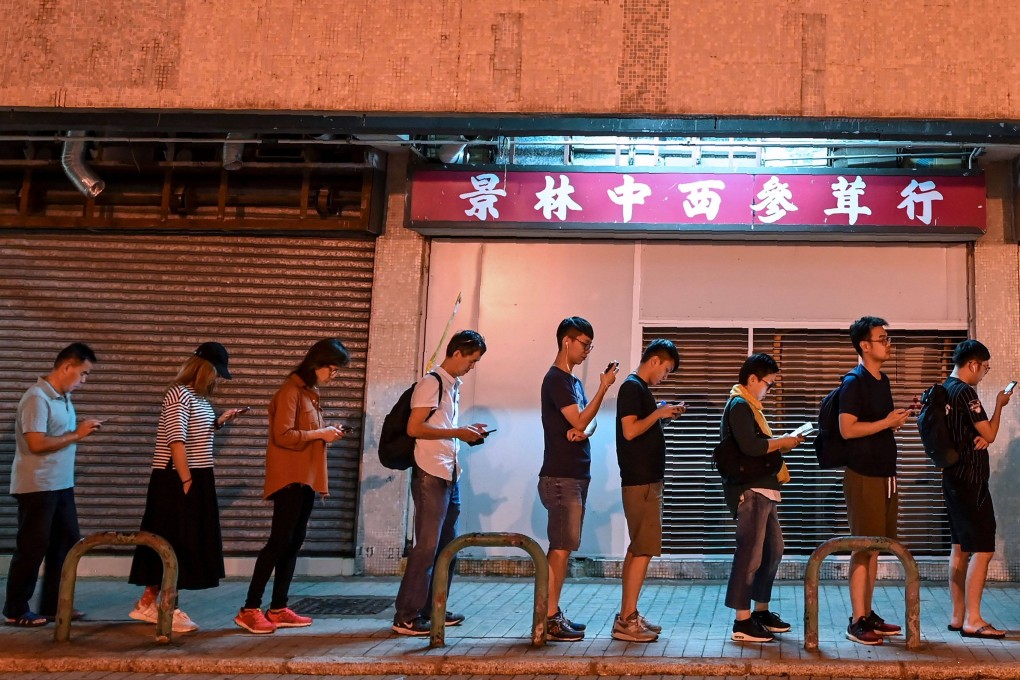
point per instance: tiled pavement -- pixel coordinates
(495, 637)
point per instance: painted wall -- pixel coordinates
(516, 293)
(915, 58)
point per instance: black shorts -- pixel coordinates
(971, 515)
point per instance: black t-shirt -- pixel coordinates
(562, 458)
(964, 410)
(870, 400)
(642, 459)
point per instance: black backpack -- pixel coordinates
(932, 423)
(396, 447)
(734, 466)
(831, 449)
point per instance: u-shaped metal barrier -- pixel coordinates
(441, 582)
(912, 589)
(69, 575)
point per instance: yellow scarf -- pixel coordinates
(739, 390)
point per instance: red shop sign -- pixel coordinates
(670, 203)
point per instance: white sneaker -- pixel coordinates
(146, 613)
(183, 623)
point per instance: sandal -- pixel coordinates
(954, 629)
(987, 631)
(26, 620)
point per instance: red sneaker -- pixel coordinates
(878, 624)
(286, 618)
(253, 621)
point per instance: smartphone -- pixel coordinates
(488, 432)
(613, 365)
(1010, 386)
(243, 409)
(804, 430)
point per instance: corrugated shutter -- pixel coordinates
(144, 303)
(695, 519)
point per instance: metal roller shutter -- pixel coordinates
(695, 520)
(144, 303)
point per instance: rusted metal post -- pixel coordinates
(499, 539)
(69, 574)
(912, 586)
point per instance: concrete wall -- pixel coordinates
(916, 58)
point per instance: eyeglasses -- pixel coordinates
(586, 346)
(884, 340)
(768, 385)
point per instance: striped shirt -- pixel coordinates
(964, 410)
(189, 418)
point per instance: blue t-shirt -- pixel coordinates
(562, 458)
(870, 400)
(43, 410)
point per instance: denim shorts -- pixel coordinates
(564, 498)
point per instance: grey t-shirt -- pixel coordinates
(43, 410)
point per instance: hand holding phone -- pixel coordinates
(1010, 386)
(612, 367)
(804, 430)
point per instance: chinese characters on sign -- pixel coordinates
(764, 202)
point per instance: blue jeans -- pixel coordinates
(436, 510)
(758, 554)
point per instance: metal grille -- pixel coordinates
(695, 519)
(319, 605)
(144, 303)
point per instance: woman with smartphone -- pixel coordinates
(295, 472)
(181, 502)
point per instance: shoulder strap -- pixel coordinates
(439, 400)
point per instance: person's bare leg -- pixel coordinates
(558, 561)
(635, 567)
(858, 579)
(977, 573)
(958, 585)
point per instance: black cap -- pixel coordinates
(215, 354)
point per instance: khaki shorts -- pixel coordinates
(642, 506)
(870, 508)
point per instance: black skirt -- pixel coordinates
(190, 523)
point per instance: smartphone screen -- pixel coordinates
(1010, 386)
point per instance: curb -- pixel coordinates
(516, 665)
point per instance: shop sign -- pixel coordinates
(676, 204)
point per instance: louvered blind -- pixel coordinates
(695, 519)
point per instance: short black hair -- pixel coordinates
(664, 349)
(326, 352)
(970, 350)
(860, 330)
(572, 327)
(759, 365)
(77, 352)
(465, 342)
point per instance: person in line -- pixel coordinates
(641, 454)
(180, 504)
(868, 420)
(46, 436)
(965, 489)
(755, 504)
(295, 472)
(435, 486)
(568, 419)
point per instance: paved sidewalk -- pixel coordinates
(495, 638)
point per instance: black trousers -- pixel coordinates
(292, 506)
(47, 530)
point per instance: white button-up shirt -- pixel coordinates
(438, 457)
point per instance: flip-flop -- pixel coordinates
(954, 629)
(26, 620)
(986, 631)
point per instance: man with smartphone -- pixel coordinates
(641, 454)
(568, 419)
(435, 480)
(965, 488)
(868, 417)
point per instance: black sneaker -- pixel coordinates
(859, 632)
(453, 619)
(557, 628)
(771, 622)
(879, 626)
(749, 630)
(416, 627)
(573, 624)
